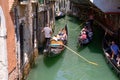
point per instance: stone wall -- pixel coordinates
(9, 52)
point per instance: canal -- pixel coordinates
(69, 66)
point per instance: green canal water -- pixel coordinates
(69, 66)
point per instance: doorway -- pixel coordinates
(21, 32)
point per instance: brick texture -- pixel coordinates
(10, 35)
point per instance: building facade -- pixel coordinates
(30, 17)
(8, 62)
(20, 33)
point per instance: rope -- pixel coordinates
(81, 56)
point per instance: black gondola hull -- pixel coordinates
(108, 53)
(59, 17)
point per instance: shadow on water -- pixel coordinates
(50, 61)
(40, 49)
(74, 20)
(96, 45)
(80, 48)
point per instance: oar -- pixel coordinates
(81, 56)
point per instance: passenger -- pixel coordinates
(83, 36)
(90, 34)
(62, 34)
(56, 37)
(83, 39)
(115, 51)
(84, 30)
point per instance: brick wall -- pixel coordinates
(10, 36)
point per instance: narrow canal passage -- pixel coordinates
(69, 66)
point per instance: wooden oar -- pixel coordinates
(81, 56)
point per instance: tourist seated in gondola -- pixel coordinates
(115, 51)
(85, 34)
(83, 37)
(62, 34)
(90, 34)
(84, 29)
(56, 37)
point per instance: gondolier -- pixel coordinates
(48, 32)
(115, 51)
(57, 43)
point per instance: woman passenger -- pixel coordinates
(62, 34)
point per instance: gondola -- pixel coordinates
(59, 14)
(56, 45)
(108, 53)
(85, 36)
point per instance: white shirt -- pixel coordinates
(47, 31)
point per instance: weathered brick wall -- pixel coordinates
(10, 36)
(14, 74)
(28, 32)
(11, 2)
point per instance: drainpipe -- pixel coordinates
(48, 15)
(3, 48)
(35, 26)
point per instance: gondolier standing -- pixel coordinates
(48, 32)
